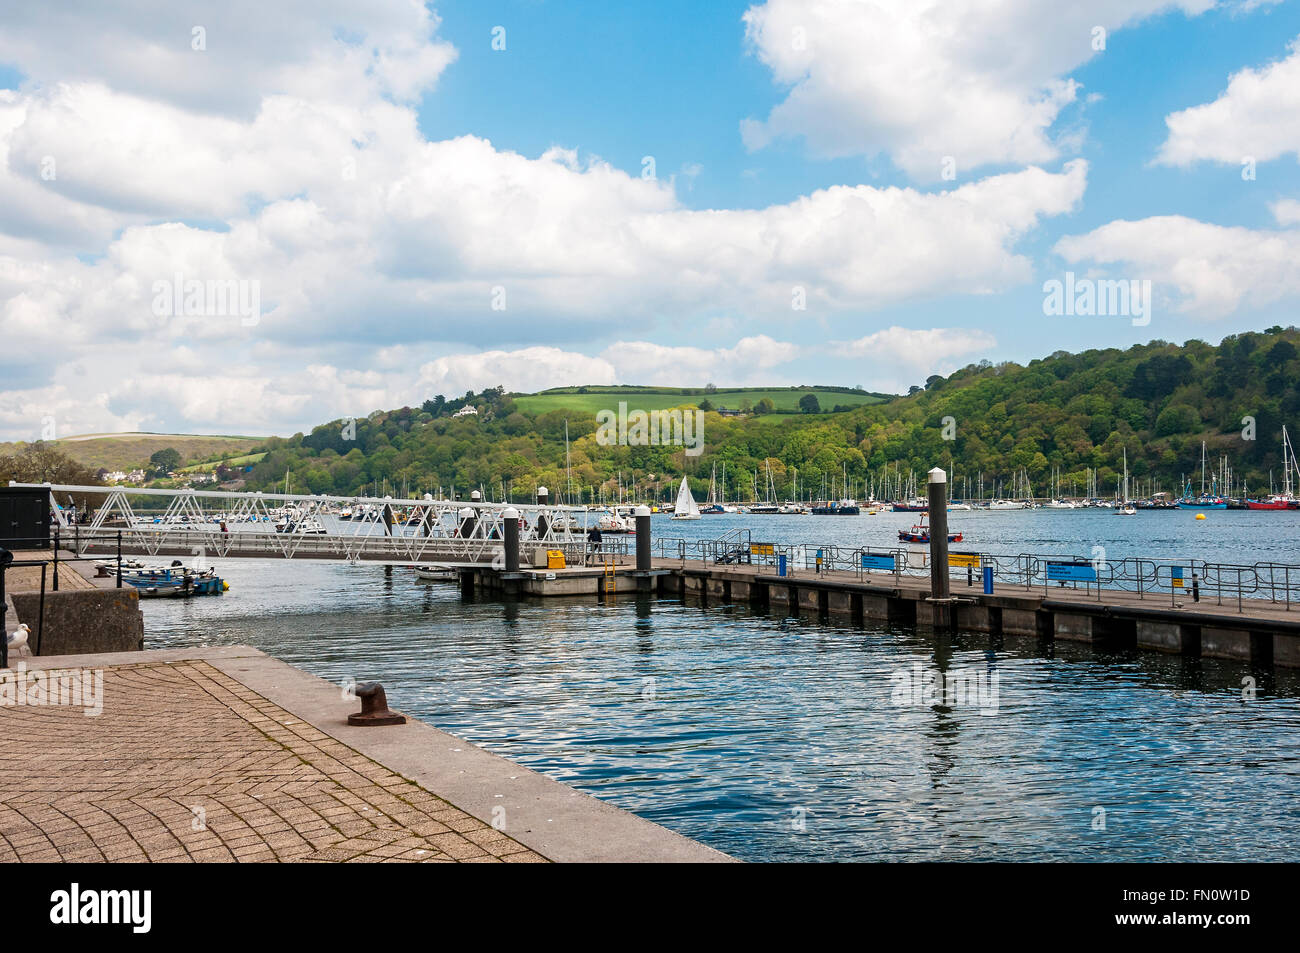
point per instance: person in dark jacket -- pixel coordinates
(593, 540)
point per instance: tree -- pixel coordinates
(809, 404)
(166, 461)
(42, 463)
(765, 406)
(706, 404)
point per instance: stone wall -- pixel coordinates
(84, 621)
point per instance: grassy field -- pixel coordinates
(240, 461)
(123, 451)
(661, 398)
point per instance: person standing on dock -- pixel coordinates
(594, 540)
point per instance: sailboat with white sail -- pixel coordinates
(686, 507)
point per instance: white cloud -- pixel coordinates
(750, 361)
(899, 357)
(524, 370)
(1205, 270)
(1257, 116)
(919, 80)
(1286, 211)
(329, 50)
(374, 249)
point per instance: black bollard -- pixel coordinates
(543, 499)
(511, 517)
(6, 558)
(642, 538)
(938, 511)
(468, 520)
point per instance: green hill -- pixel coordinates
(784, 400)
(1068, 412)
(124, 451)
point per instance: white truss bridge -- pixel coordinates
(186, 522)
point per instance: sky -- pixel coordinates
(239, 217)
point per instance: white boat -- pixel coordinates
(436, 574)
(609, 522)
(686, 507)
(1128, 509)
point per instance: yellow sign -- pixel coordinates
(762, 549)
(967, 560)
(555, 559)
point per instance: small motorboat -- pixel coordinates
(920, 533)
(1128, 509)
(436, 574)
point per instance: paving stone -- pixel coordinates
(180, 745)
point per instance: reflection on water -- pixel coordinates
(739, 729)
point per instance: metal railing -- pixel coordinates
(1147, 577)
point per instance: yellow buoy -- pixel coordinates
(1200, 516)
(225, 586)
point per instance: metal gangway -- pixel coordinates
(384, 530)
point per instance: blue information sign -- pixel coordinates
(878, 562)
(1071, 572)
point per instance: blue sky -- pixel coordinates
(674, 80)
(418, 212)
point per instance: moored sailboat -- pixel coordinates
(686, 507)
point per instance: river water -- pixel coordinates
(775, 738)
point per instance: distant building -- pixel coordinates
(467, 411)
(112, 476)
(136, 476)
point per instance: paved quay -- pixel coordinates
(227, 754)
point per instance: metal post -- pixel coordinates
(119, 559)
(40, 615)
(511, 517)
(543, 499)
(56, 560)
(938, 507)
(642, 514)
(6, 558)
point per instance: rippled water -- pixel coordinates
(739, 729)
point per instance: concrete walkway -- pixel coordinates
(227, 754)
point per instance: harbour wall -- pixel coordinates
(1259, 634)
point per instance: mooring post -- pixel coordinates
(642, 538)
(938, 512)
(511, 517)
(56, 559)
(6, 558)
(119, 559)
(543, 499)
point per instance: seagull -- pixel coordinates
(18, 637)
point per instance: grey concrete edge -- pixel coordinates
(555, 820)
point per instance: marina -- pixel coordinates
(649, 685)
